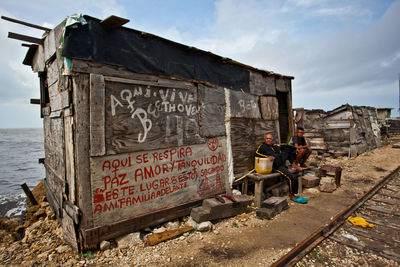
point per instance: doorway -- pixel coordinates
(283, 116)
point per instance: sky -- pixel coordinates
(338, 51)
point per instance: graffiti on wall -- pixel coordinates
(141, 182)
(148, 104)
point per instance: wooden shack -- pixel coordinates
(139, 129)
(345, 131)
(313, 122)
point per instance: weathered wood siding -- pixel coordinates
(347, 130)
(133, 184)
(313, 124)
(252, 116)
(145, 116)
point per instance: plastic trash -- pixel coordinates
(351, 237)
(360, 221)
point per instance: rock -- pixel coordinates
(108, 253)
(192, 223)
(63, 248)
(275, 192)
(205, 226)
(50, 214)
(396, 145)
(327, 184)
(42, 255)
(51, 257)
(172, 225)
(44, 204)
(236, 192)
(311, 190)
(284, 189)
(104, 245)
(130, 239)
(159, 230)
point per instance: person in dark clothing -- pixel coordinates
(273, 151)
(303, 150)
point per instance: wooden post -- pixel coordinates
(258, 190)
(29, 194)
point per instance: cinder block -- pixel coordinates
(327, 184)
(265, 213)
(277, 204)
(212, 209)
(310, 181)
(200, 214)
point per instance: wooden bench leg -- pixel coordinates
(245, 186)
(300, 182)
(258, 192)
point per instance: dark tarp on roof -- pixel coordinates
(149, 54)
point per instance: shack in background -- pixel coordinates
(345, 131)
(139, 129)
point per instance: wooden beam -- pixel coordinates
(93, 236)
(35, 101)
(113, 22)
(26, 23)
(25, 38)
(156, 238)
(29, 194)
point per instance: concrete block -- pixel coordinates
(265, 213)
(327, 184)
(310, 181)
(278, 204)
(212, 209)
(200, 214)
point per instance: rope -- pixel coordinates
(244, 176)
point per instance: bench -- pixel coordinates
(259, 179)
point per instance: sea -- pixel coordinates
(20, 150)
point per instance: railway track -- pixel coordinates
(380, 206)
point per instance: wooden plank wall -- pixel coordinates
(135, 121)
(157, 129)
(252, 115)
(313, 124)
(82, 149)
(211, 111)
(133, 184)
(143, 116)
(58, 124)
(348, 130)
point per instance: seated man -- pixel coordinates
(272, 151)
(303, 150)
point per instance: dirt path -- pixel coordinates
(257, 241)
(241, 241)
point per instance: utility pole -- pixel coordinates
(399, 97)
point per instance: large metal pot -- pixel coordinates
(263, 165)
